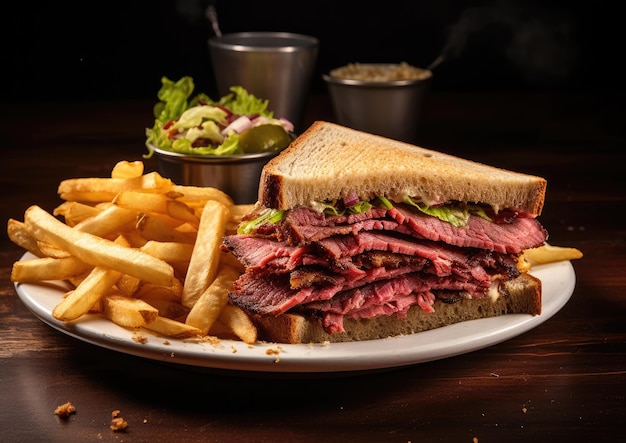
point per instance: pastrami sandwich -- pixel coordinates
(358, 237)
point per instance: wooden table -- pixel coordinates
(564, 380)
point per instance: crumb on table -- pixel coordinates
(65, 410)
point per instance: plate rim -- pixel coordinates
(558, 282)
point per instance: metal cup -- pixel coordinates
(277, 66)
(392, 108)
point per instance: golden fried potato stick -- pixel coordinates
(201, 195)
(79, 301)
(168, 308)
(127, 169)
(49, 250)
(172, 328)
(209, 305)
(204, 261)
(150, 290)
(128, 312)
(128, 285)
(88, 197)
(88, 292)
(74, 212)
(19, 234)
(47, 268)
(181, 211)
(151, 182)
(234, 319)
(112, 220)
(153, 228)
(551, 254)
(157, 204)
(97, 251)
(142, 201)
(170, 252)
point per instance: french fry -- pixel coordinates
(172, 328)
(110, 221)
(97, 251)
(88, 292)
(134, 238)
(204, 261)
(47, 268)
(49, 250)
(128, 312)
(180, 211)
(79, 301)
(168, 308)
(149, 290)
(74, 212)
(165, 261)
(142, 201)
(88, 197)
(199, 194)
(19, 234)
(236, 320)
(151, 182)
(170, 252)
(128, 285)
(152, 228)
(551, 254)
(126, 169)
(211, 302)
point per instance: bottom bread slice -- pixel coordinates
(523, 297)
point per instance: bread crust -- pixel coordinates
(523, 297)
(329, 160)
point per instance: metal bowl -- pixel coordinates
(388, 108)
(236, 175)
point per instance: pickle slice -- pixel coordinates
(264, 138)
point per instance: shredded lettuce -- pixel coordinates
(240, 102)
(457, 216)
(384, 202)
(266, 216)
(360, 207)
(193, 117)
(230, 146)
(198, 117)
(173, 98)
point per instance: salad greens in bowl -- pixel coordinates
(238, 123)
(218, 143)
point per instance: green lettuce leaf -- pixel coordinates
(457, 216)
(193, 117)
(230, 146)
(266, 216)
(173, 98)
(243, 103)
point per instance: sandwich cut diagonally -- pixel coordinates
(359, 237)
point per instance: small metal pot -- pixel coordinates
(391, 109)
(236, 175)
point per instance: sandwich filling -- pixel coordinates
(375, 258)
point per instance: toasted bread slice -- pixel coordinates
(523, 297)
(329, 161)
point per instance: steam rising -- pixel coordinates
(540, 41)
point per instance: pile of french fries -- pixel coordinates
(145, 252)
(140, 250)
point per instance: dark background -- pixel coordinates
(120, 49)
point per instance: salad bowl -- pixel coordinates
(236, 175)
(222, 144)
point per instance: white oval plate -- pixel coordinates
(558, 281)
